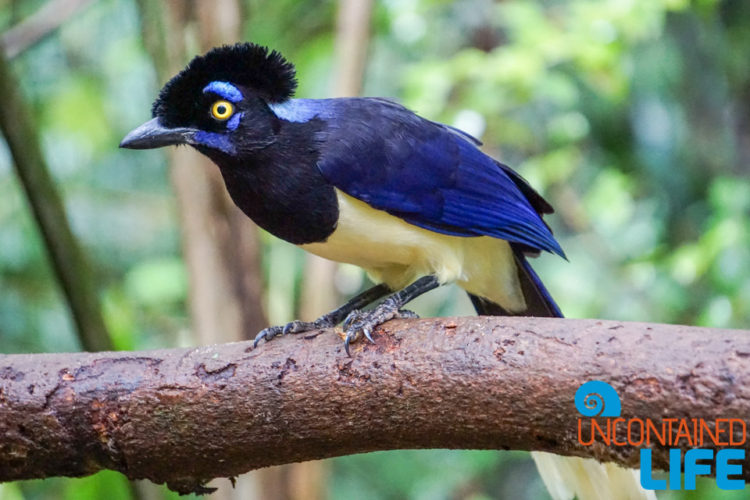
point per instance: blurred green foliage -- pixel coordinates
(631, 116)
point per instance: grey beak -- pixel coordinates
(153, 134)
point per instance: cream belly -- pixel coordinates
(397, 253)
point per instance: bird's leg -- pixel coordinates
(329, 320)
(364, 322)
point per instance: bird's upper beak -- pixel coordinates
(153, 134)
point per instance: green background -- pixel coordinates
(632, 117)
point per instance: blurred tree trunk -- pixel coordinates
(352, 39)
(307, 480)
(68, 261)
(220, 244)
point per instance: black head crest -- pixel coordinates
(245, 64)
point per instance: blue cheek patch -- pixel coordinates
(234, 121)
(224, 90)
(216, 141)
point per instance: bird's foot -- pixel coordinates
(295, 326)
(359, 323)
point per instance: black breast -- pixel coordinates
(280, 187)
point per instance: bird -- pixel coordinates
(365, 181)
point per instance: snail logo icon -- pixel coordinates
(597, 399)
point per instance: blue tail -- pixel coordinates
(539, 302)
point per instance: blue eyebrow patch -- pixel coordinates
(225, 90)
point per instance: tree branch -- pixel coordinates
(184, 416)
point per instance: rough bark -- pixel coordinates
(184, 416)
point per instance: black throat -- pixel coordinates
(280, 186)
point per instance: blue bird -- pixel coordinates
(360, 180)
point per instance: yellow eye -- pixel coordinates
(222, 110)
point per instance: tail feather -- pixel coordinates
(485, 307)
(586, 479)
(539, 302)
(565, 477)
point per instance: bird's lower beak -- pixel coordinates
(153, 134)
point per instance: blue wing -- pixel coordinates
(426, 173)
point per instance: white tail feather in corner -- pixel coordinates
(567, 478)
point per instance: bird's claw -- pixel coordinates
(359, 323)
(356, 324)
(295, 326)
(406, 314)
(268, 334)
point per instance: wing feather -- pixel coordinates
(425, 173)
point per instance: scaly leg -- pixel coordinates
(364, 322)
(329, 320)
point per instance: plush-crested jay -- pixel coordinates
(360, 180)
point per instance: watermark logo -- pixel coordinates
(601, 421)
(597, 399)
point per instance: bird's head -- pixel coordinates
(220, 102)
